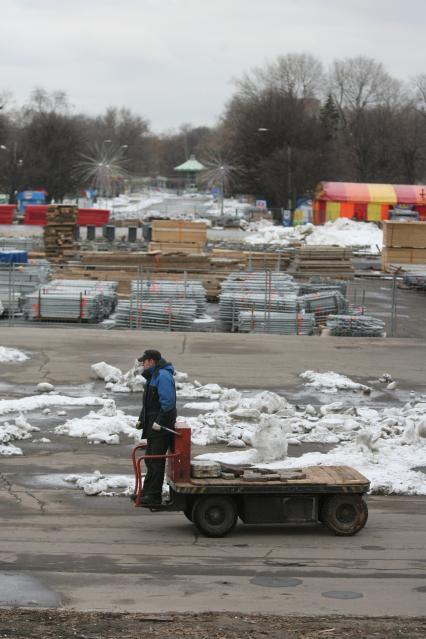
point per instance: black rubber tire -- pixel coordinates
(215, 516)
(345, 515)
(188, 513)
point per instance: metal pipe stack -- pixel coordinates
(416, 278)
(280, 323)
(71, 300)
(355, 326)
(156, 316)
(262, 291)
(318, 285)
(324, 303)
(165, 291)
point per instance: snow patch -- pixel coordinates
(11, 355)
(331, 382)
(102, 427)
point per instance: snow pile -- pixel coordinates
(106, 486)
(11, 355)
(232, 419)
(331, 382)
(8, 450)
(117, 381)
(39, 402)
(341, 232)
(386, 445)
(103, 427)
(20, 429)
(231, 208)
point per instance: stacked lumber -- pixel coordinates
(258, 260)
(59, 232)
(175, 247)
(325, 260)
(404, 243)
(169, 236)
(168, 261)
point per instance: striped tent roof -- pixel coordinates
(380, 193)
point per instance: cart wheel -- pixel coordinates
(345, 515)
(188, 513)
(215, 516)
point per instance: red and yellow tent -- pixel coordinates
(367, 202)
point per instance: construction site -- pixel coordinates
(299, 366)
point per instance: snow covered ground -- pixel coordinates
(341, 232)
(387, 443)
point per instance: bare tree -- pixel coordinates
(362, 83)
(296, 75)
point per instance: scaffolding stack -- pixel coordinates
(355, 326)
(69, 300)
(324, 303)
(170, 291)
(280, 323)
(263, 291)
(156, 316)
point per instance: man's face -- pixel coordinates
(147, 363)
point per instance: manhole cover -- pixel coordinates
(276, 582)
(342, 594)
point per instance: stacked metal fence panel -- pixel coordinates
(11, 302)
(166, 291)
(324, 303)
(156, 316)
(23, 278)
(318, 285)
(107, 290)
(415, 279)
(265, 291)
(71, 300)
(355, 326)
(281, 323)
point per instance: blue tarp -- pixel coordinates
(15, 257)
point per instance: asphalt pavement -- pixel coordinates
(59, 548)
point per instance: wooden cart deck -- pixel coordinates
(316, 479)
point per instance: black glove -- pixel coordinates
(138, 425)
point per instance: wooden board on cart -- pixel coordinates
(321, 478)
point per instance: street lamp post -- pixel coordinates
(222, 186)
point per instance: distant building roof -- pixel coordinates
(190, 165)
(382, 193)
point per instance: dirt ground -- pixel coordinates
(46, 624)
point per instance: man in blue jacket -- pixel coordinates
(158, 410)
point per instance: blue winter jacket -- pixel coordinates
(159, 398)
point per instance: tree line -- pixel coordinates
(287, 126)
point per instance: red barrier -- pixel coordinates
(36, 214)
(7, 212)
(92, 217)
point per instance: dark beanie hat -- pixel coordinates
(150, 353)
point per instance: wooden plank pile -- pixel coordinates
(257, 260)
(404, 243)
(178, 236)
(335, 261)
(59, 232)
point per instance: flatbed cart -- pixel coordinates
(331, 495)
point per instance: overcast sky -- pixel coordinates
(173, 61)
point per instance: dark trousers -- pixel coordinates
(153, 482)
